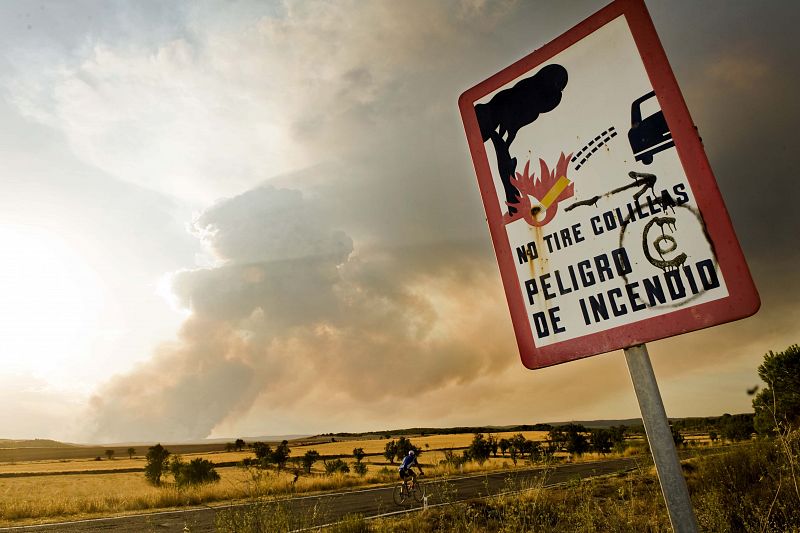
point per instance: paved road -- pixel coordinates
(317, 510)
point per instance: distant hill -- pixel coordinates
(633, 425)
(34, 443)
(262, 438)
(407, 432)
(210, 443)
(603, 423)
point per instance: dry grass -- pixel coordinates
(629, 503)
(54, 497)
(751, 488)
(27, 499)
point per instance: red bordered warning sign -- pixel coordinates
(606, 219)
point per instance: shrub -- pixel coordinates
(452, 459)
(359, 454)
(753, 488)
(360, 468)
(196, 472)
(336, 465)
(263, 452)
(480, 449)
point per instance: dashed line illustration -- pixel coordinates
(592, 146)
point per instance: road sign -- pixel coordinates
(606, 219)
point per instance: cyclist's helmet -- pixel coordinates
(411, 453)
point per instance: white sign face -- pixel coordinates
(599, 228)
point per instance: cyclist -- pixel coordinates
(405, 468)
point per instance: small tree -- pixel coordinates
(514, 453)
(601, 440)
(576, 441)
(532, 449)
(310, 457)
(157, 457)
(503, 445)
(480, 449)
(677, 438)
(360, 468)
(240, 444)
(557, 439)
(517, 447)
(359, 454)
(264, 453)
(517, 444)
(618, 437)
(777, 406)
(390, 451)
(404, 446)
(493, 444)
(736, 427)
(281, 454)
(229, 446)
(110, 454)
(131, 452)
(712, 435)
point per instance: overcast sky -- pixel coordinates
(231, 218)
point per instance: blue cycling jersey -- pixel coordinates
(408, 461)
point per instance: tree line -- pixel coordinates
(776, 409)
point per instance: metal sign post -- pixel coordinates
(659, 436)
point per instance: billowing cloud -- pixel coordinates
(292, 310)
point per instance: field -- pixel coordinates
(19, 451)
(37, 498)
(27, 460)
(67, 487)
(746, 488)
(753, 487)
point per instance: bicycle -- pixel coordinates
(407, 491)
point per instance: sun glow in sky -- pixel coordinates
(51, 304)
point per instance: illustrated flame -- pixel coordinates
(541, 193)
